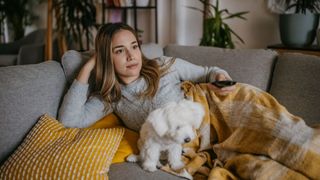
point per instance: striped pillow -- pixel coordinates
(128, 144)
(51, 151)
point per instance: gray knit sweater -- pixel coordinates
(77, 110)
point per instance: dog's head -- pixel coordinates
(177, 121)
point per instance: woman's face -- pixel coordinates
(126, 56)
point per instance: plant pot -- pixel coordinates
(298, 30)
(142, 3)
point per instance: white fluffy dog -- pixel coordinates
(166, 129)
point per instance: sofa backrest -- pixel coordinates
(296, 85)
(26, 93)
(37, 36)
(252, 66)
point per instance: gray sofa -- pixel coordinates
(29, 91)
(27, 50)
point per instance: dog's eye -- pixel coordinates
(178, 127)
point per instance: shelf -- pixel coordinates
(134, 9)
(306, 48)
(131, 7)
(311, 50)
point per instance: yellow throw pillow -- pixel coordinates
(128, 144)
(51, 151)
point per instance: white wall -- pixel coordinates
(258, 31)
(179, 24)
(261, 27)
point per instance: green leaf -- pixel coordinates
(215, 31)
(237, 15)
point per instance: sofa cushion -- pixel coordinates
(72, 61)
(132, 171)
(128, 144)
(8, 59)
(152, 50)
(296, 85)
(51, 151)
(26, 93)
(252, 66)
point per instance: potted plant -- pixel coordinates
(302, 6)
(299, 23)
(75, 22)
(18, 14)
(216, 32)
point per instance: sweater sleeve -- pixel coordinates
(199, 74)
(79, 111)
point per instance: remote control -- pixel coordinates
(224, 83)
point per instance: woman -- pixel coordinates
(129, 84)
(253, 135)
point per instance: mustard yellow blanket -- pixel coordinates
(249, 135)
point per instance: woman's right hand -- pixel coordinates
(91, 63)
(225, 90)
(86, 70)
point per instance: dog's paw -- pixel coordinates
(159, 165)
(186, 174)
(177, 165)
(132, 158)
(149, 167)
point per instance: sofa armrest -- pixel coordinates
(31, 54)
(8, 59)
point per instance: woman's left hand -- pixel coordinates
(222, 91)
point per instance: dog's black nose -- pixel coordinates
(187, 140)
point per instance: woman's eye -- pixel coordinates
(119, 51)
(135, 46)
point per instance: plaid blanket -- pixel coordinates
(249, 135)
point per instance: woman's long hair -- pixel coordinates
(107, 81)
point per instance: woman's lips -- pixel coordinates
(132, 66)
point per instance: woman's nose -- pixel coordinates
(129, 55)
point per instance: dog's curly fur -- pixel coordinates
(166, 129)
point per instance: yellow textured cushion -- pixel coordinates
(128, 144)
(51, 151)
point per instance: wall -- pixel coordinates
(259, 30)
(179, 24)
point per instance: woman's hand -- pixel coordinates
(86, 70)
(91, 63)
(222, 91)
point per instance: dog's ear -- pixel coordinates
(158, 122)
